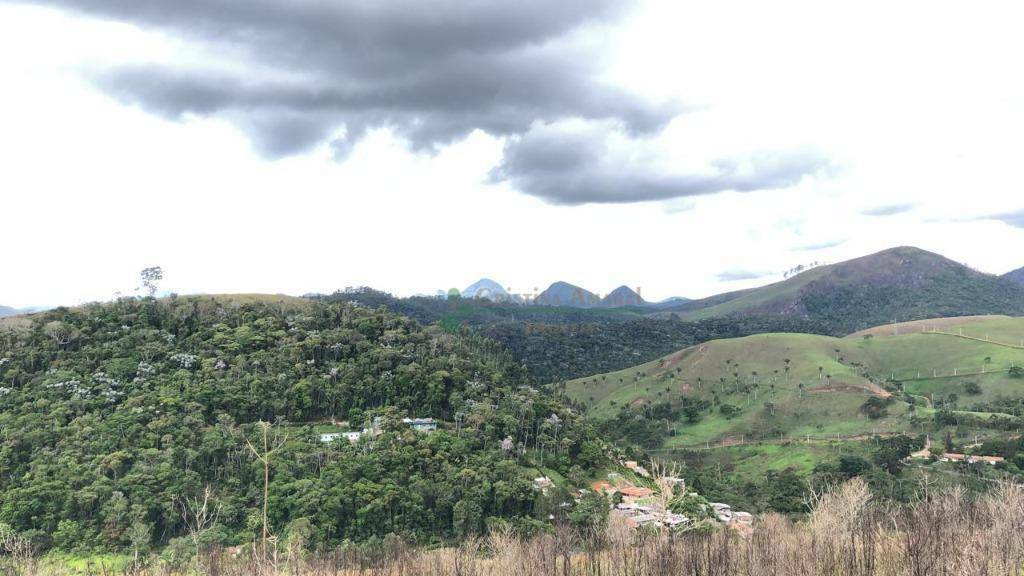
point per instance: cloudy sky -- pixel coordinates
(688, 148)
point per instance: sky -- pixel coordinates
(295, 146)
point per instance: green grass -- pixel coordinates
(86, 562)
(752, 298)
(993, 386)
(751, 373)
(756, 460)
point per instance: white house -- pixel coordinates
(352, 436)
(421, 424)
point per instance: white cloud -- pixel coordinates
(917, 103)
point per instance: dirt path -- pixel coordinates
(866, 386)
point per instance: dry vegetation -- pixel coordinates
(847, 533)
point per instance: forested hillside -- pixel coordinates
(473, 312)
(112, 416)
(1015, 276)
(903, 283)
(558, 352)
(555, 343)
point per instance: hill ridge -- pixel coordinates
(902, 282)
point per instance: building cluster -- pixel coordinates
(425, 425)
(724, 513)
(641, 506)
(969, 458)
(638, 469)
(543, 483)
(638, 505)
(637, 515)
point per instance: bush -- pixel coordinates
(178, 553)
(729, 411)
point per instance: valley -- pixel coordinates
(440, 418)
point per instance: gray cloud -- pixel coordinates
(888, 210)
(576, 166)
(432, 72)
(327, 71)
(735, 275)
(1015, 219)
(821, 245)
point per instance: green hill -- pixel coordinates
(111, 414)
(904, 283)
(565, 294)
(792, 385)
(1015, 276)
(556, 343)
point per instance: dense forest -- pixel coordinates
(452, 312)
(556, 343)
(114, 417)
(559, 352)
(957, 291)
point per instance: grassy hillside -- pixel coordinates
(791, 385)
(902, 283)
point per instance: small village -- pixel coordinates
(640, 506)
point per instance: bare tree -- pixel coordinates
(666, 476)
(60, 333)
(17, 554)
(268, 448)
(199, 514)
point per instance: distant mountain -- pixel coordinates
(565, 294)
(900, 283)
(674, 300)
(622, 296)
(1015, 276)
(8, 311)
(487, 289)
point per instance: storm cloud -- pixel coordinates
(326, 72)
(594, 164)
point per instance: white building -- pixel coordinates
(421, 424)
